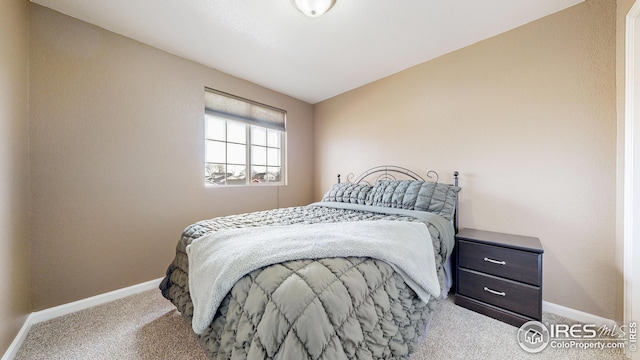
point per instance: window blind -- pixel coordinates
(233, 107)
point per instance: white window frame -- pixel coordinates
(250, 114)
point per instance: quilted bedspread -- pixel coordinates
(326, 308)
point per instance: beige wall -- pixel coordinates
(117, 157)
(14, 170)
(529, 119)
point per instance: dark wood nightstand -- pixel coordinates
(499, 275)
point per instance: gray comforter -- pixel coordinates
(327, 308)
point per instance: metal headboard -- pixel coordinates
(391, 172)
(387, 172)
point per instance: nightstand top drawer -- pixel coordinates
(499, 261)
(518, 242)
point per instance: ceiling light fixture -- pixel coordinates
(314, 8)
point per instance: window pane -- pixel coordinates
(214, 128)
(273, 157)
(273, 138)
(258, 155)
(214, 152)
(236, 132)
(237, 154)
(275, 173)
(258, 136)
(237, 174)
(215, 174)
(258, 174)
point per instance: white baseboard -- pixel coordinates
(57, 311)
(12, 351)
(577, 315)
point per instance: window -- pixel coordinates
(244, 141)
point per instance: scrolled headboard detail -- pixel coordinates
(391, 172)
(382, 174)
(387, 172)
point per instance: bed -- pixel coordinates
(354, 276)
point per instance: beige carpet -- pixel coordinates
(146, 326)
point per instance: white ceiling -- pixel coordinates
(272, 44)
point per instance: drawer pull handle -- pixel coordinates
(495, 261)
(501, 293)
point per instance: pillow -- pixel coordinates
(415, 195)
(348, 193)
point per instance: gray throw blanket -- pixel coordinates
(218, 260)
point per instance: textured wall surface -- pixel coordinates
(14, 171)
(529, 119)
(117, 154)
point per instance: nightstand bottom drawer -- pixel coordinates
(493, 311)
(517, 297)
